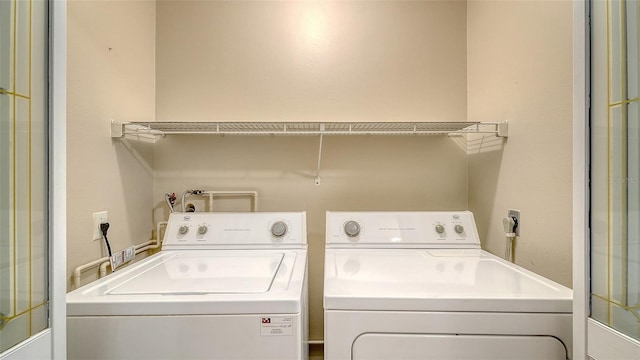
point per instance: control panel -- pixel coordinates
(228, 230)
(431, 229)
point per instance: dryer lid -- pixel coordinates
(194, 273)
(436, 280)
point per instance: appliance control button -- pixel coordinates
(183, 229)
(459, 229)
(202, 229)
(278, 229)
(352, 228)
(440, 229)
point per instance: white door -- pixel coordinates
(27, 299)
(613, 325)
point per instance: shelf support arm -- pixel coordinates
(317, 179)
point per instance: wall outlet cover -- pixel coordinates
(515, 214)
(99, 218)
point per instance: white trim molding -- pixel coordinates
(604, 343)
(57, 168)
(580, 177)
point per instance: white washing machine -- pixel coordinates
(224, 286)
(416, 285)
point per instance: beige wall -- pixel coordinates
(313, 61)
(110, 75)
(520, 70)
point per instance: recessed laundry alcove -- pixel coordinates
(323, 62)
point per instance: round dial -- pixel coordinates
(183, 229)
(440, 229)
(459, 229)
(202, 229)
(352, 228)
(278, 229)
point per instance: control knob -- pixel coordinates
(202, 229)
(459, 229)
(352, 228)
(278, 229)
(183, 229)
(440, 229)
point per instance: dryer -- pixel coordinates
(416, 285)
(224, 286)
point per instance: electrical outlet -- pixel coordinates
(515, 214)
(129, 253)
(99, 218)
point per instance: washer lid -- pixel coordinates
(186, 282)
(194, 273)
(436, 280)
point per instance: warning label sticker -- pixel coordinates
(276, 326)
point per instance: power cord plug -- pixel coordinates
(104, 227)
(515, 224)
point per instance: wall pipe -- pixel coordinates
(149, 245)
(78, 271)
(212, 193)
(104, 261)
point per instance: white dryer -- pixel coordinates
(416, 285)
(224, 286)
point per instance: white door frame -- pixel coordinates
(590, 338)
(581, 73)
(51, 343)
(58, 166)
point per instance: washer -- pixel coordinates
(416, 285)
(224, 286)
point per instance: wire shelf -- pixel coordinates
(160, 129)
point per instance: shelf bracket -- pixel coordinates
(117, 129)
(137, 131)
(503, 129)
